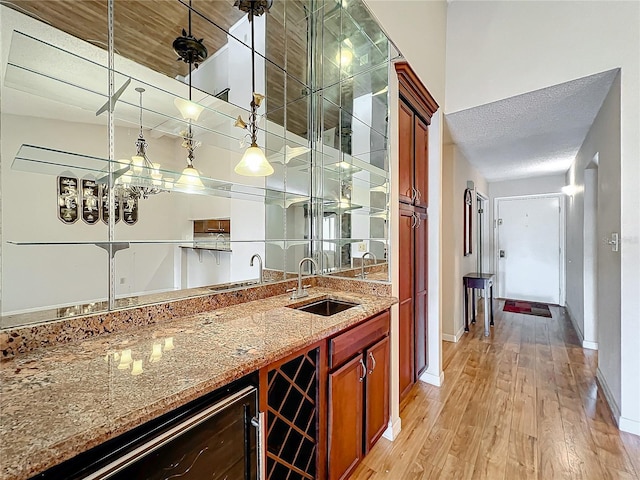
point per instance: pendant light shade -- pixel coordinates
(254, 163)
(189, 181)
(188, 109)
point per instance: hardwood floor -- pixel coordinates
(520, 404)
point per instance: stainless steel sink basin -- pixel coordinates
(326, 307)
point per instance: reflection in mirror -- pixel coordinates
(327, 197)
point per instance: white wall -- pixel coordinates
(602, 140)
(500, 49)
(456, 172)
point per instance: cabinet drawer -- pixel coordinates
(345, 345)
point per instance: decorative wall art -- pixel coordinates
(68, 199)
(104, 204)
(90, 201)
(130, 210)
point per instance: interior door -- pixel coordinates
(529, 252)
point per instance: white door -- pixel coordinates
(529, 252)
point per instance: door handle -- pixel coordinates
(502, 254)
(414, 194)
(373, 362)
(414, 220)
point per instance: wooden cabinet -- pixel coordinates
(376, 392)
(421, 241)
(414, 156)
(415, 109)
(219, 225)
(358, 407)
(346, 410)
(406, 299)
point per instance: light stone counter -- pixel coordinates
(58, 401)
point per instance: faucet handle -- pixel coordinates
(289, 290)
(306, 286)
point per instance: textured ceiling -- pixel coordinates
(534, 134)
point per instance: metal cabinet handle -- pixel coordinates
(414, 194)
(373, 362)
(364, 370)
(418, 195)
(414, 220)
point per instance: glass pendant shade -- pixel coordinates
(189, 181)
(188, 109)
(254, 163)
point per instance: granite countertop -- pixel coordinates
(58, 401)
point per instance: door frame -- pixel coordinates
(561, 257)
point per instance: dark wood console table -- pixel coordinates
(482, 281)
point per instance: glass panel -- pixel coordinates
(329, 149)
(50, 97)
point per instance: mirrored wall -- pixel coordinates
(119, 150)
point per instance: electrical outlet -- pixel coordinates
(362, 247)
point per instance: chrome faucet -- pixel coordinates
(300, 292)
(257, 255)
(375, 260)
(218, 236)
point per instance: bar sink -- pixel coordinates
(326, 307)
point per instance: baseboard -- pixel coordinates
(615, 409)
(393, 430)
(585, 343)
(629, 426)
(453, 338)
(590, 345)
(432, 378)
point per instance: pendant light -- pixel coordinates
(192, 51)
(254, 163)
(141, 170)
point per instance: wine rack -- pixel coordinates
(292, 418)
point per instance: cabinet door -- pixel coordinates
(406, 304)
(346, 399)
(421, 162)
(376, 400)
(421, 294)
(405, 174)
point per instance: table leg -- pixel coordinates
(491, 302)
(466, 306)
(486, 314)
(473, 306)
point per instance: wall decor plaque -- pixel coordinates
(130, 210)
(68, 199)
(90, 201)
(104, 204)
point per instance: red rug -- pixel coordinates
(528, 308)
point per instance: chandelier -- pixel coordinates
(143, 178)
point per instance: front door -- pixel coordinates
(529, 252)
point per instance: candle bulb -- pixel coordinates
(137, 367)
(156, 354)
(168, 344)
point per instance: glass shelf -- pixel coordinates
(36, 159)
(76, 81)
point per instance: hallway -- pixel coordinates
(523, 403)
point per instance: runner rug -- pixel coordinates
(528, 308)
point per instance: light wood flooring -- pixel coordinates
(521, 404)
